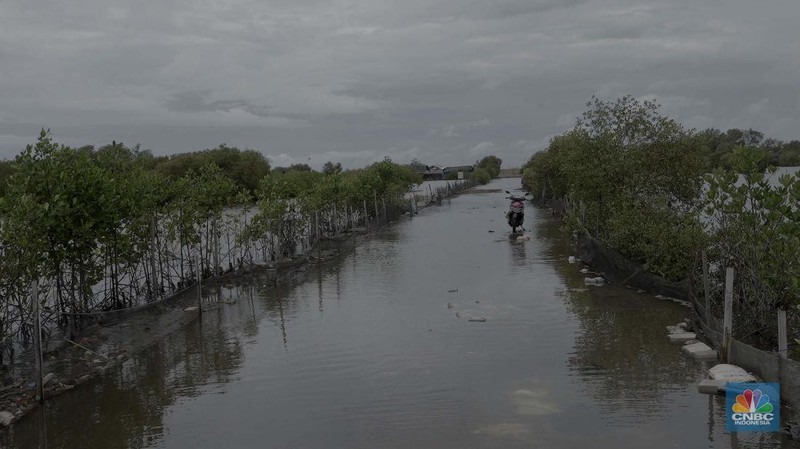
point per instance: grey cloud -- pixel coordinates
(362, 80)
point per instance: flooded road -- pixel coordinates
(376, 350)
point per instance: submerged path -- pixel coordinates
(376, 350)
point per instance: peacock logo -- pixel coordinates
(752, 401)
(753, 407)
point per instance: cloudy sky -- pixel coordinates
(444, 81)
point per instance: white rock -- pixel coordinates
(584, 270)
(681, 337)
(709, 386)
(730, 373)
(700, 351)
(6, 418)
(572, 259)
(190, 309)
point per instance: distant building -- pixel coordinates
(437, 173)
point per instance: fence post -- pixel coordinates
(706, 288)
(199, 286)
(37, 339)
(783, 346)
(727, 323)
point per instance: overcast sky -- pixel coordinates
(444, 81)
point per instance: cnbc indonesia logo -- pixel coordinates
(754, 409)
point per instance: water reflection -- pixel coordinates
(126, 406)
(118, 412)
(518, 253)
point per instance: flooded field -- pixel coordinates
(375, 350)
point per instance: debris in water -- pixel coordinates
(478, 320)
(452, 291)
(599, 280)
(450, 305)
(491, 230)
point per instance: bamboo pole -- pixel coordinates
(783, 345)
(727, 324)
(199, 287)
(215, 236)
(37, 340)
(153, 247)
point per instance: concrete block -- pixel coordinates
(681, 337)
(700, 351)
(709, 386)
(730, 373)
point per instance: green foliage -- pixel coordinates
(330, 168)
(633, 180)
(755, 228)
(293, 167)
(491, 164)
(717, 148)
(480, 175)
(244, 167)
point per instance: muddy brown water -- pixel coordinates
(376, 350)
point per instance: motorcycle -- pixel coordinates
(516, 212)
